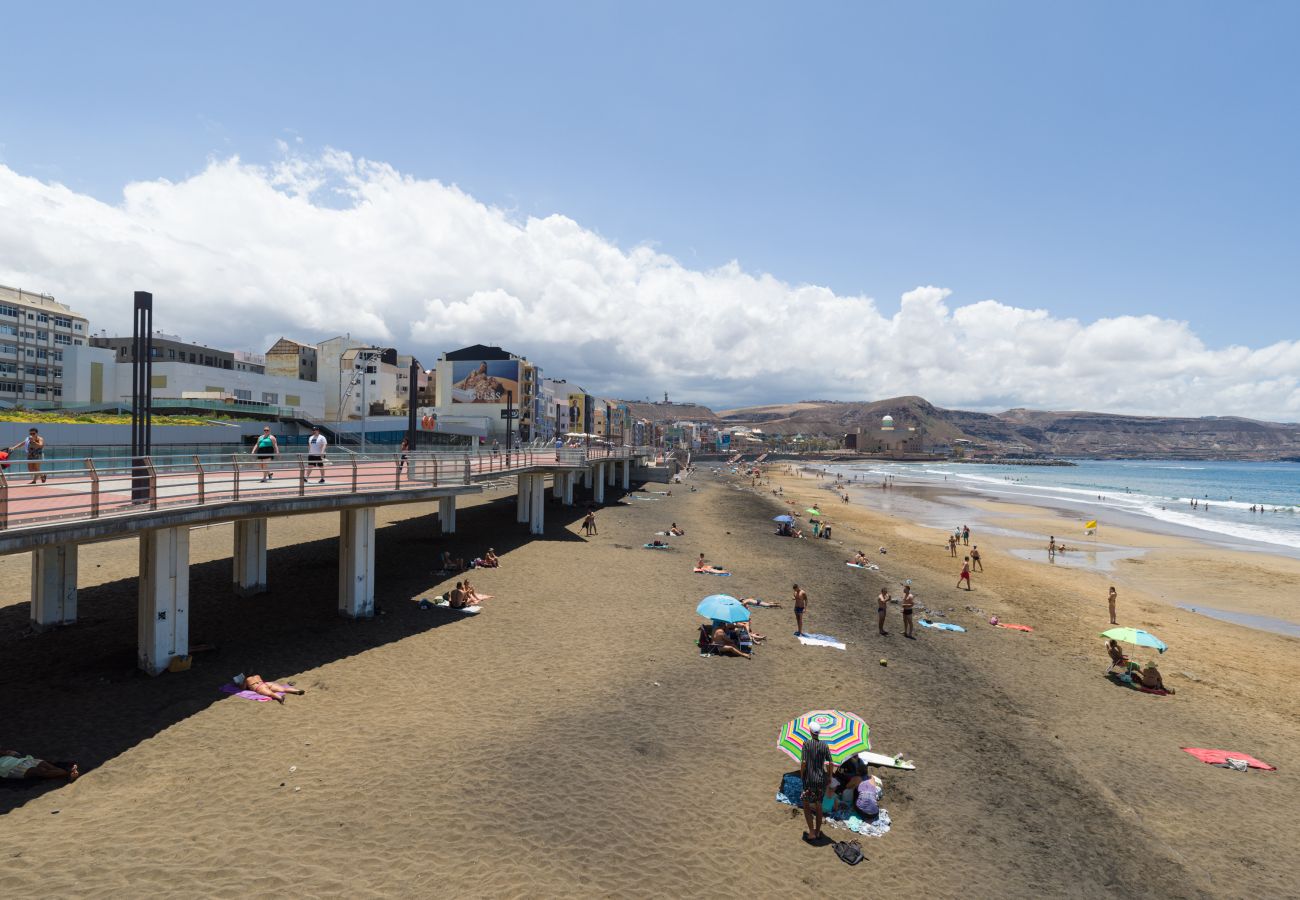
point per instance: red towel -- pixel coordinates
(1217, 757)
(1016, 627)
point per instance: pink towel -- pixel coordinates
(1216, 757)
(229, 688)
(1016, 627)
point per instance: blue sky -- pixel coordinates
(1092, 160)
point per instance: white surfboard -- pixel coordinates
(880, 759)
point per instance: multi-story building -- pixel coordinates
(477, 386)
(370, 380)
(35, 332)
(290, 359)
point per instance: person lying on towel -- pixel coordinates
(674, 530)
(18, 765)
(258, 685)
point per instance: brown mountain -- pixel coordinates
(1023, 431)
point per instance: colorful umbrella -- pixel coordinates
(786, 519)
(814, 510)
(723, 608)
(1137, 637)
(844, 733)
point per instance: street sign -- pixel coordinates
(509, 413)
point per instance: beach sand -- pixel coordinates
(570, 741)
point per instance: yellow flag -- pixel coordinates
(1092, 524)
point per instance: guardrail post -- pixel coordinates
(153, 482)
(467, 468)
(354, 474)
(4, 500)
(198, 465)
(397, 484)
(235, 458)
(302, 478)
(94, 488)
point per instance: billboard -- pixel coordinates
(577, 410)
(484, 381)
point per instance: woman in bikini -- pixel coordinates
(258, 685)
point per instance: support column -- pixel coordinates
(54, 586)
(569, 479)
(610, 469)
(447, 514)
(250, 557)
(357, 563)
(587, 478)
(598, 484)
(557, 485)
(537, 521)
(164, 613)
(627, 474)
(523, 498)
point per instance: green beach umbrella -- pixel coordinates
(1137, 637)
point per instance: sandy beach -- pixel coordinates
(570, 741)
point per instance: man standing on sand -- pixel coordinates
(1051, 547)
(800, 604)
(815, 771)
(909, 602)
(975, 557)
(965, 573)
(1110, 601)
(965, 535)
(882, 607)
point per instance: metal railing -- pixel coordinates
(104, 487)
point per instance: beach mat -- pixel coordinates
(820, 640)
(659, 547)
(942, 626)
(229, 688)
(707, 572)
(870, 567)
(1013, 627)
(1219, 757)
(790, 793)
(1159, 692)
(468, 610)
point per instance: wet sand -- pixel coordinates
(570, 741)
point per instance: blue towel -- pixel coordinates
(944, 626)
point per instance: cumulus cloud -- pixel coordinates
(318, 245)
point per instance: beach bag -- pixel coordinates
(849, 851)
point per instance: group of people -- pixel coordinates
(1121, 666)
(729, 639)
(884, 598)
(848, 785)
(34, 447)
(464, 595)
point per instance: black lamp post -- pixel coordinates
(141, 394)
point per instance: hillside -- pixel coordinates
(1017, 431)
(666, 413)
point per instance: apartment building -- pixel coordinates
(35, 330)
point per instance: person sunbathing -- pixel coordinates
(258, 685)
(725, 645)
(860, 558)
(674, 530)
(473, 597)
(490, 560)
(449, 564)
(18, 765)
(761, 604)
(1149, 677)
(738, 631)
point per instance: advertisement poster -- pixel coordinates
(484, 381)
(577, 423)
(428, 417)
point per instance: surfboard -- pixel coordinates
(880, 759)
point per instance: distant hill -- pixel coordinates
(666, 413)
(1016, 431)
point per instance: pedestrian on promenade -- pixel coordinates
(800, 606)
(405, 457)
(316, 445)
(965, 573)
(34, 444)
(265, 449)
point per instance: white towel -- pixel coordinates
(468, 610)
(820, 640)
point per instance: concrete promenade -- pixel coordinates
(160, 499)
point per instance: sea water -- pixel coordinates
(1162, 490)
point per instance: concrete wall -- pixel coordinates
(65, 435)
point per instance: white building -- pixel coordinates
(35, 333)
(102, 375)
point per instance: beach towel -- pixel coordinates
(709, 572)
(790, 794)
(468, 610)
(1013, 627)
(229, 688)
(1220, 757)
(820, 640)
(656, 546)
(1129, 683)
(942, 626)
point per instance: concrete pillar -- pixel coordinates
(627, 474)
(587, 478)
(250, 557)
(557, 485)
(569, 479)
(357, 563)
(54, 586)
(537, 521)
(447, 514)
(164, 610)
(523, 498)
(610, 468)
(598, 484)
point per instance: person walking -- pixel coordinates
(589, 524)
(1051, 547)
(965, 573)
(265, 449)
(316, 445)
(882, 607)
(815, 768)
(909, 602)
(404, 456)
(34, 445)
(800, 605)
(975, 557)
(1110, 601)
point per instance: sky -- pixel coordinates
(994, 204)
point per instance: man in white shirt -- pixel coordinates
(316, 453)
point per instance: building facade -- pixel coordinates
(35, 332)
(291, 359)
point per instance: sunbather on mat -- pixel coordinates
(720, 643)
(258, 685)
(761, 604)
(18, 765)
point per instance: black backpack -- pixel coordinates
(849, 851)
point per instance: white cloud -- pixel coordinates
(318, 245)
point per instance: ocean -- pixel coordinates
(1160, 490)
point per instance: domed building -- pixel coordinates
(887, 423)
(886, 440)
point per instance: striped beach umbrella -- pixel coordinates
(844, 733)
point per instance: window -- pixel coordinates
(57, 355)
(62, 322)
(8, 348)
(10, 387)
(76, 326)
(42, 354)
(8, 369)
(58, 392)
(58, 371)
(65, 340)
(7, 310)
(191, 357)
(270, 398)
(43, 336)
(171, 354)
(8, 329)
(243, 394)
(38, 371)
(30, 335)
(42, 318)
(77, 342)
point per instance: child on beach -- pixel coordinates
(965, 573)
